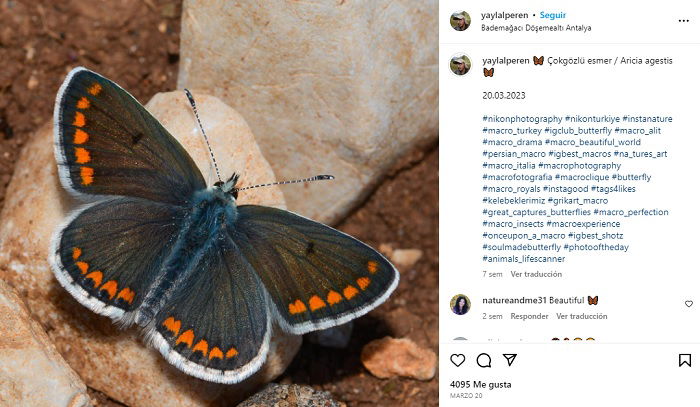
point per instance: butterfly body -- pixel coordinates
(204, 277)
(210, 218)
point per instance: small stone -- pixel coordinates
(406, 257)
(386, 249)
(292, 395)
(390, 357)
(33, 82)
(336, 337)
(30, 51)
(32, 372)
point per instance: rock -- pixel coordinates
(292, 395)
(32, 372)
(335, 337)
(116, 362)
(332, 87)
(389, 357)
(406, 257)
(386, 249)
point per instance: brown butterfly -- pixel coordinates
(592, 300)
(538, 61)
(489, 72)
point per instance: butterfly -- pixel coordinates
(592, 300)
(489, 72)
(538, 61)
(203, 277)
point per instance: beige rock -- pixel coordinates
(109, 360)
(386, 249)
(32, 372)
(336, 87)
(389, 357)
(406, 257)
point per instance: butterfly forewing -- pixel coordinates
(317, 277)
(108, 144)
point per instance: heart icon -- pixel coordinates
(688, 303)
(457, 359)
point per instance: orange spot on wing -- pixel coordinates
(82, 156)
(363, 282)
(87, 174)
(80, 137)
(297, 307)
(95, 89)
(334, 297)
(201, 346)
(95, 276)
(231, 353)
(111, 288)
(79, 119)
(216, 353)
(172, 325)
(372, 266)
(77, 252)
(316, 302)
(187, 337)
(127, 295)
(81, 265)
(350, 292)
(83, 103)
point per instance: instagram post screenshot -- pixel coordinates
(347, 203)
(219, 203)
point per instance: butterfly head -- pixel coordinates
(229, 187)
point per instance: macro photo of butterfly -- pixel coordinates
(199, 208)
(158, 248)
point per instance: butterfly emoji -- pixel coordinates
(155, 246)
(538, 61)
(489, 72)
(592, 300)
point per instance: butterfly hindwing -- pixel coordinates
(316, 276)
(108, 144)
(216, 324)
(108, 253)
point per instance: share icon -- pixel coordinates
(510, 357)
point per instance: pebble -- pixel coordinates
(390, 357)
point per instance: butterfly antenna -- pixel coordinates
(206, 139)
(316, 178)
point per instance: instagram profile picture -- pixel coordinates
(460, 20)
(460, 304)
(460, 64)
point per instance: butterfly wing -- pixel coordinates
(107, 254)
(215, 325)
(316, 276)
(106, 143)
